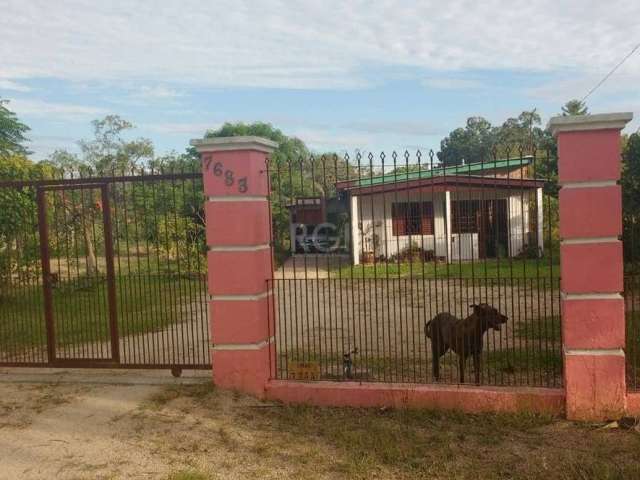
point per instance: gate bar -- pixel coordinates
(111, 274)
(43, 229)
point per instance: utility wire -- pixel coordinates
(606, 77)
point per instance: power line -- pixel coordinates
(606, 77)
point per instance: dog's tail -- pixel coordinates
(427, 329)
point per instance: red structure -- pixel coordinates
(592, 264)
(236, 186)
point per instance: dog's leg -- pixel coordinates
(435, 351)
(461, 361)
(476, 366)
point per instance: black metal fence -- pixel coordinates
(398, 268)
(104, 271)
(631, 242)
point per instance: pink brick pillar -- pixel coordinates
(591, 264)
(236, 188)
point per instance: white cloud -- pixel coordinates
(62, 111)
(393, 127)
(44, 145)
(197, 128)
(329, 44)
(157, 92)
(6, 84)
(451, 83)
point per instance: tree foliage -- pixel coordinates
(470, 144)
(12, 132)
(574, 107)
(631, 195)
(294, 172)
(19, 248)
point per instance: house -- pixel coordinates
(466, 212)
(315, 222)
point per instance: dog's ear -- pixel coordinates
(477, 309)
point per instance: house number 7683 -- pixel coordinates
(228, 176)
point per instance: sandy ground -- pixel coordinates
(183, 342)
(77, 425)
(72, 425)
(310, 266)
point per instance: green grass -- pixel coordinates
(526, 361)
(478, 269)
(145, 303)
(270, 440)
(546, 329)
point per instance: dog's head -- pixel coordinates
(489, 316)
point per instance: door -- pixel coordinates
(494, 228)
(78, 275)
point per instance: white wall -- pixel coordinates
(374, 216)
(380, 223)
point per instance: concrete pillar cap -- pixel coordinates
(577, 123)
(219, 144)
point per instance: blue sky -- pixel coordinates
(339, 75)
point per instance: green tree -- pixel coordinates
(470, 144)
(574, 107)
(290, 172)
(631, 195)
(107, 153)
(19, 247)
(294, 172)
(12, 132)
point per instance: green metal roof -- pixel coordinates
(465, 170)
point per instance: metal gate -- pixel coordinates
(371, 249)
(104, 272)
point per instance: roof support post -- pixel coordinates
(540, 221)
(447, 222)
(355, 233)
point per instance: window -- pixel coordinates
(464, 216)
(412, 218)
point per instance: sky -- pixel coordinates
(340, 75)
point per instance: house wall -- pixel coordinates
(374, 217)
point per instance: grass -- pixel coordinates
(545, 329)
(531, 364)
(262, 440)
(188, 475)
(478, 269)
(145, 303)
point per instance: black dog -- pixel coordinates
(463, 336)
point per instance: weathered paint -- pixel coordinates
(237, 223)
(589, 155)
(591, 267)
(595, 386)
(583, 320)
(597, 203)
(464, 398)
